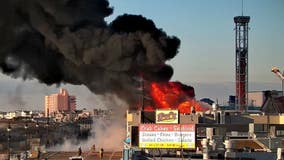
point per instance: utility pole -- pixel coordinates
(142, 97)
(26, 142)
(9, 138)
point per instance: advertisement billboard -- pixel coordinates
(167, 136)
(167, 116)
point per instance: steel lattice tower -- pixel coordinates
(241, 39)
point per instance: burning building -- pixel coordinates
(171, 95)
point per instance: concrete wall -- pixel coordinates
(264, 119)
(256, 98)
(133, 119)
(188, 119)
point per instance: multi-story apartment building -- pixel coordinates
(61, 101)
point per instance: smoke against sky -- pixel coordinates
(69, 42)
(206, 58)
(16, 99)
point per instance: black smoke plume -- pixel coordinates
(68, 41)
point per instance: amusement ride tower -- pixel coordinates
(241, 40)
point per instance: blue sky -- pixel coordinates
(206, 58)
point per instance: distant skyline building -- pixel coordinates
(61, 101)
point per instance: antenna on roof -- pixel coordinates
(242, 7)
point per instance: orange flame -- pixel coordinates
(173, 95)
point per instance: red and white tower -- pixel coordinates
(241, 39)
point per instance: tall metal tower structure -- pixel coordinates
(241, 40)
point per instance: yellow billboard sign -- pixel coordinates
(167, 116)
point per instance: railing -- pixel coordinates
(237, 134)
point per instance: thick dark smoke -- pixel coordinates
(68, 41)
